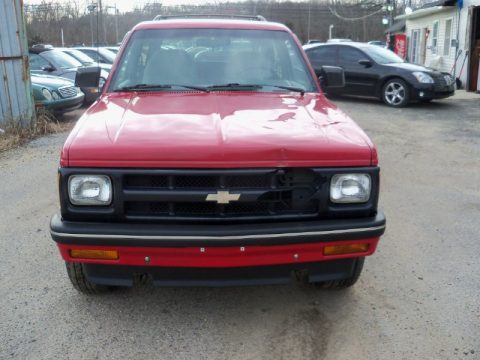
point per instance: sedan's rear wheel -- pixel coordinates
(396, 93)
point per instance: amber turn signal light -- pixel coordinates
(94, 254)
(345, 249)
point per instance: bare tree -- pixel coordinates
(356, 19)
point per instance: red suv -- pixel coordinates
(213, 158)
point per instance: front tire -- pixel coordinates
(396, 93)
(77, 277)
(344, 283)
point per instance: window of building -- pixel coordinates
(448, 37)
(435, 37)
(415, 46)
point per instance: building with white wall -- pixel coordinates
(445, 35)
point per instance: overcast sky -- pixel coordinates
(125, 5)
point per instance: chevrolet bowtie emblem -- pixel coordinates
(222, 197)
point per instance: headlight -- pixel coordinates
(448, 79)
(350, 188)
(55, 95)
(90, 190)
(47, 94)
(423, 78)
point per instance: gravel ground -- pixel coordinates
(419, 295)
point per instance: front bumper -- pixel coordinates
(430, 92)
(216, 255)
(225, 245)
(64, 105)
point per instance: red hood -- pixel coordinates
(216, 130)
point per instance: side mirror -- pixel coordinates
(48, 68)
(365, 62)
(87, 77)
(331, 77)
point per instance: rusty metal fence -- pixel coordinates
(16, 100)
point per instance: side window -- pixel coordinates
(349, 56)
(324, 55)
(37, 62)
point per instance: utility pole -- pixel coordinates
(116, 20)
(91, 9)
(116, 24)
(308, 23)
(102, 22)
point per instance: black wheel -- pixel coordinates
(345, 283)
(80, 282)
(396, 93)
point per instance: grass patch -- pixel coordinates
(13, 134)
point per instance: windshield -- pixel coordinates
(213, 57)
(80, 56)
(382, 56)
(60, 59)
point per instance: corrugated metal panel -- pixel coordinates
(16, 101)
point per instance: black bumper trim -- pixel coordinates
(213, 277)
(165, 235)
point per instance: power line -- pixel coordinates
(334, 12)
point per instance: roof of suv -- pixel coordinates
(210, 23)
(358, 45)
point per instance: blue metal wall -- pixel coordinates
(16, 100)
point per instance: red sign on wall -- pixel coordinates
(401, 45)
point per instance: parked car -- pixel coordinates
(56, 94)
(84, 59)
(377, 43)
(48, 61)
(113, 49)
(373, 71)
(215, 169)
(313, 41)
(98, 54)
(338, 40)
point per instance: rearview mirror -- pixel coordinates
(87, 77)
(365, 62)
(331, 77)
(48, 68)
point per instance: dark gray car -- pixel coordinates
(48, 61)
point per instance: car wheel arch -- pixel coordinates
(385, 79)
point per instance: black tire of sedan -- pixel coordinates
(396, 93)
(79, 281)
(345, 283)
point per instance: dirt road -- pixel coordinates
(418, 298)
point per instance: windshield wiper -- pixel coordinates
(289, 88)
(237, 86)
(150, 87)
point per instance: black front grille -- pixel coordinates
(182, 195)
(198, 182)
(440, 83)
(67, 91)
